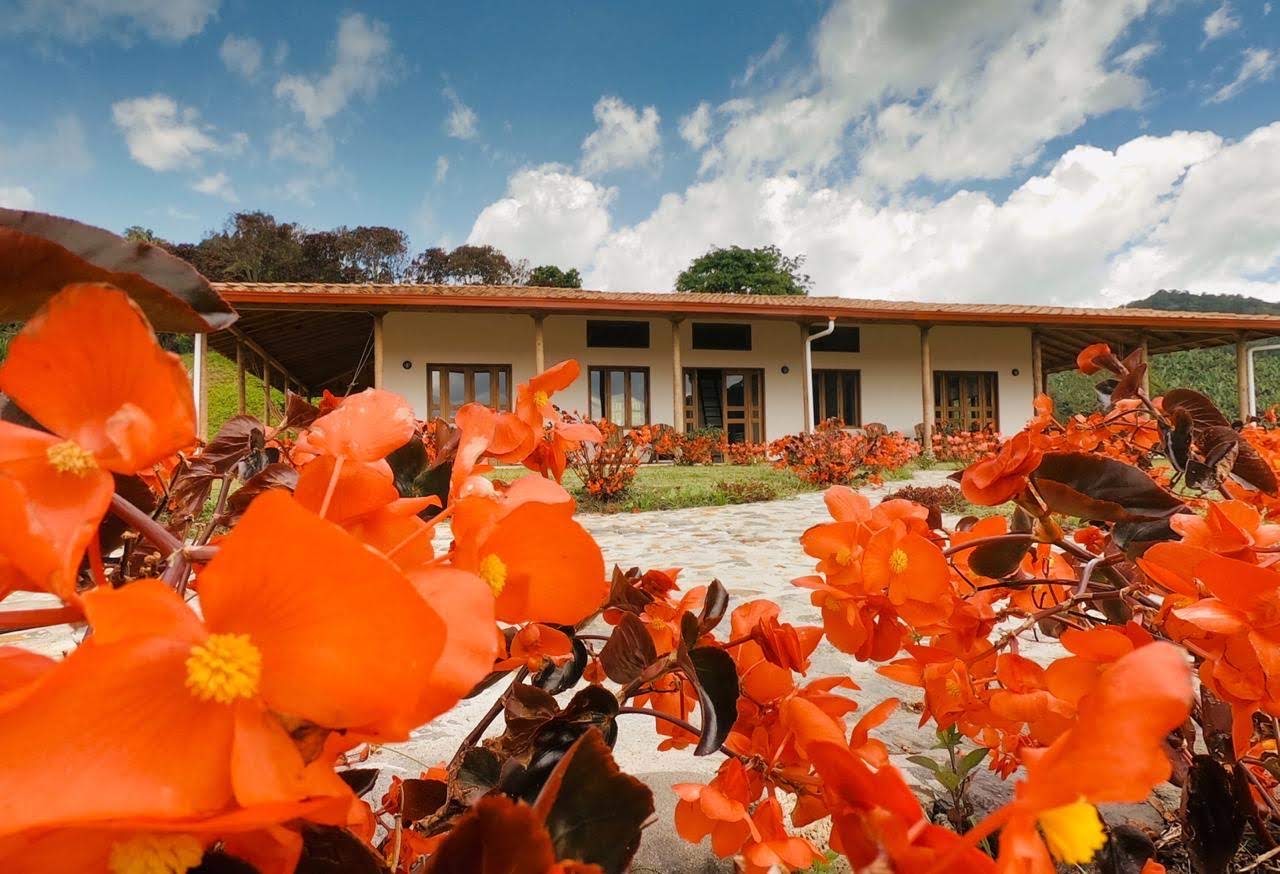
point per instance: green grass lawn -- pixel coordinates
(672, 487)
(222, 391)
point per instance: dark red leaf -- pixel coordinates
(1204, 413)
(361, 780)
(497, 836)
(420, 798)
(594, 812)
(997, 560)
(713, 607)
(332, 850)
(273, 476)
(43, 253)
(628, 651)
(1102, 489)
(715, 677)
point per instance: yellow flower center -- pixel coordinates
(155, 854)
(898, 561)
(1073, 831)
(844, 557)
(494, 572)
(70, 457)
(541, 398)
(223, 668)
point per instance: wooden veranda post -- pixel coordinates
(1242, 377)
(240, 398)
(1146, 374)
(1037, 363)
(266, 392)
(379, 351)
(926, 391)
(200, 380)
(677, 379)
(539, 346)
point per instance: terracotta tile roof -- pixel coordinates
(529, 299)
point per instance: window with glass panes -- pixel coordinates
(837, 394)
(966, 399)
(449, 386)
(620, 394)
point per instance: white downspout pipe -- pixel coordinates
(1253, 389)
(808, 371)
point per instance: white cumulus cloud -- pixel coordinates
(461, 123)
(80, 21)
(1258, 65)
(1220, 22)
(695, 128)
(161, 134)
(363, 61)
(217, 185)
(241, 55)
(624, 137)
(548, 214)
(16, 197)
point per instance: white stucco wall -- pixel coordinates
(889, 361)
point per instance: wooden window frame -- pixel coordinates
(699, 327)
(992, 419)
(436, 406)
(627, 369)
(692, 404)
(648, 333)
(819, 398)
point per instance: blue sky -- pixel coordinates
(1069, 150)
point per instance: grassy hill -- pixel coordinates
(222, 391)
(1211, 371)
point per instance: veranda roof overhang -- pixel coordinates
(323, 336)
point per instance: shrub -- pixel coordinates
(832, 455)
(743, 453)
(746, 491)
(959, 445)
(698, 446)
(607, 468)
(942, 498)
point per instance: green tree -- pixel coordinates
(551, 276)
(764, 270)
(465, 265)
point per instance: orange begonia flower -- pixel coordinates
(1002, 477)
(719, 809)
(541, 565)
(171, 846)
(118, 404)
(366, 427)
(912, 571)
(775, 849)
(1119, 733)
(533, 398)
(194, 716)
(535, 645)
(1093, 358)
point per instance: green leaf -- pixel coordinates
(925, 762)
(971, 760)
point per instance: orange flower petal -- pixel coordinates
(120, 736)
(47, 517)
(465, 605)
(121, 396)
(554, 571)
(290, 580)
(366, 427)
(359, 490)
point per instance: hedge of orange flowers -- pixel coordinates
(242, 652)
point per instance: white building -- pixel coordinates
(759, 367)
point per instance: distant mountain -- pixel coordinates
(1172, 299)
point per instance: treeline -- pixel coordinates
(256, 247)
